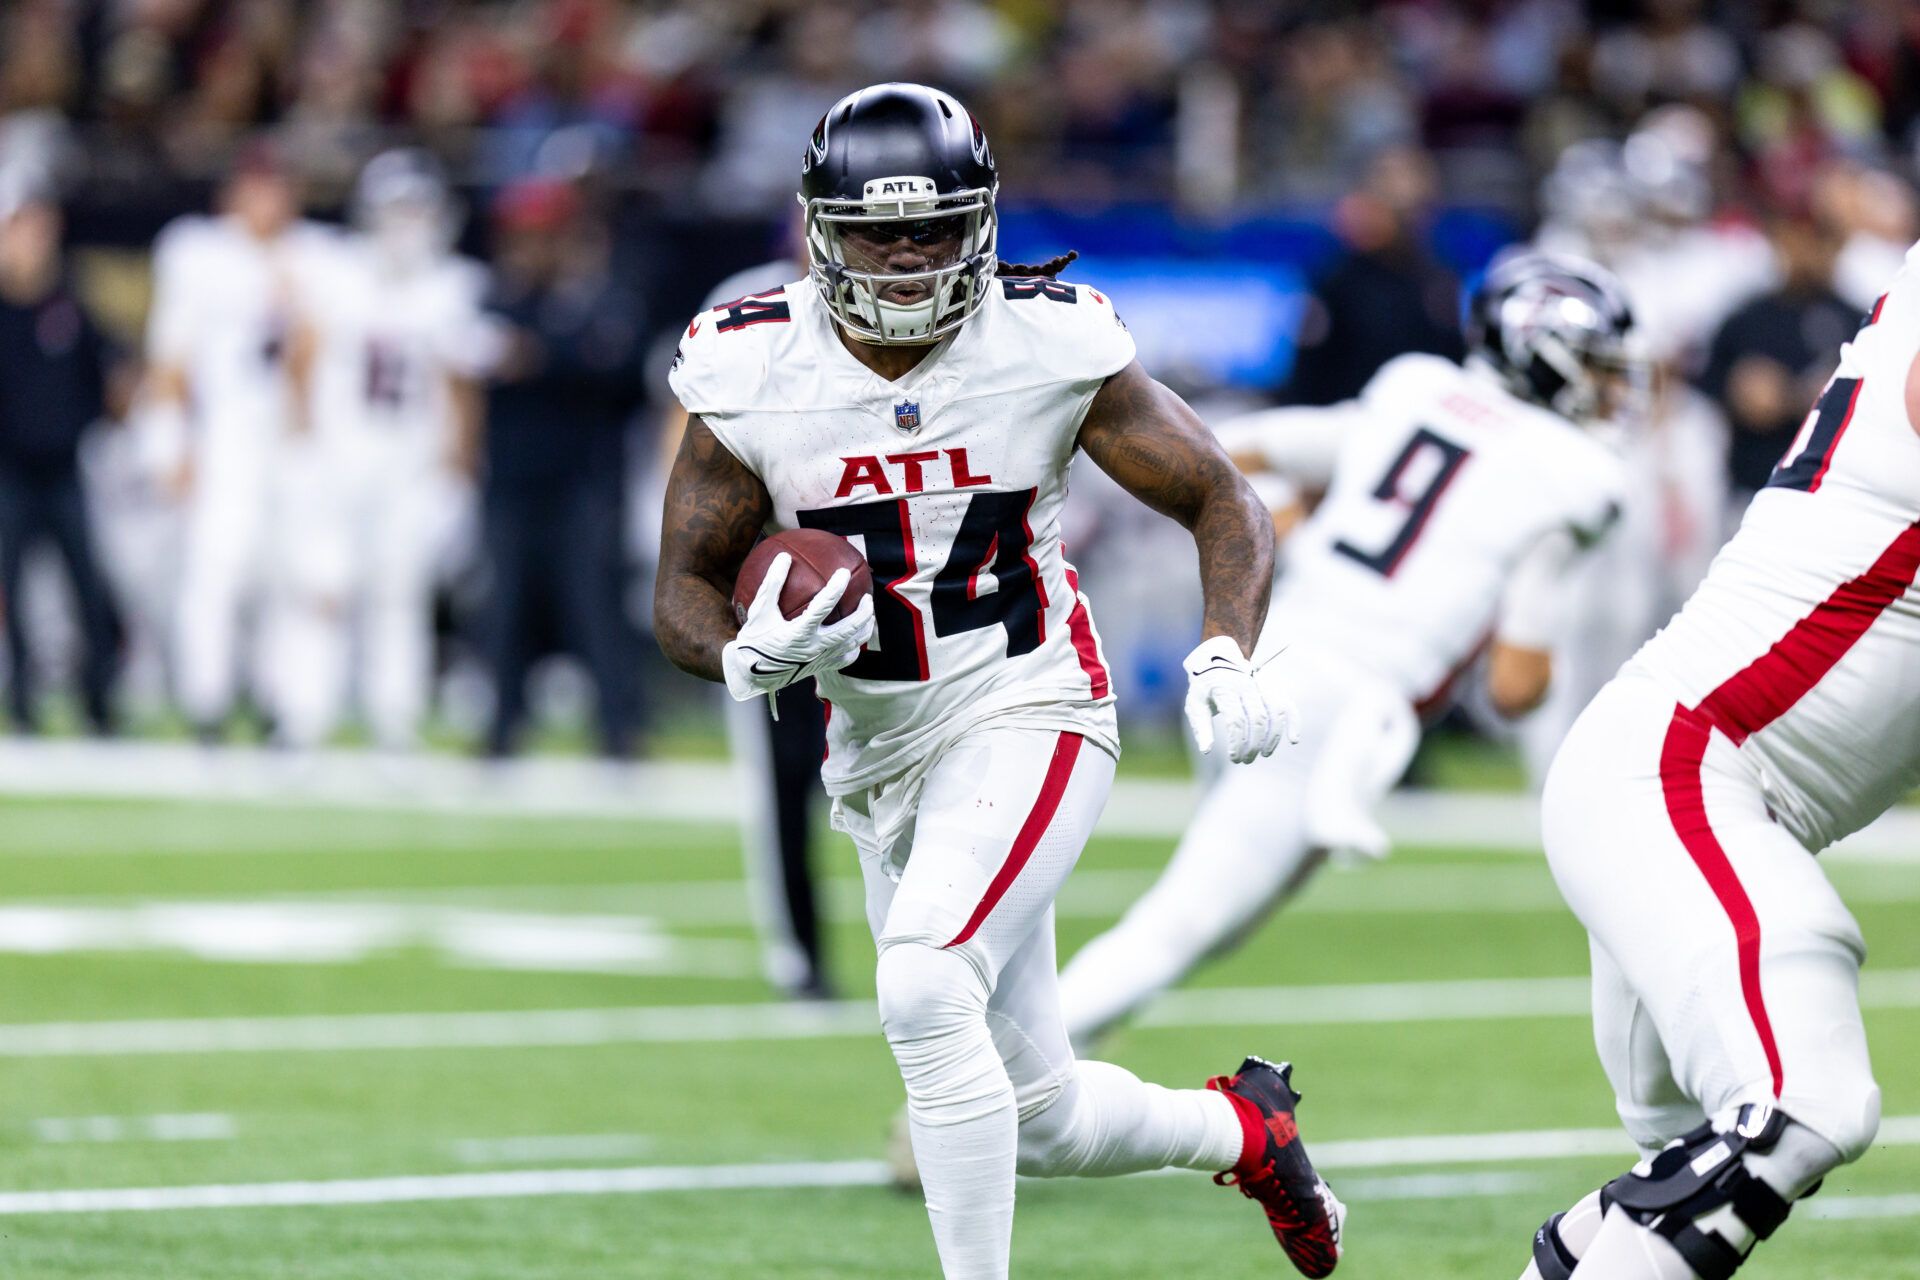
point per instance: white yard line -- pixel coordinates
(1454, 1149)
(695, 792)
(538, 1148)
(195, 1126)
(1335, 1005)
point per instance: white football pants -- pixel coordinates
(1260, 832)
(1725, 967)
(961, 907)
(226, 549)
(365, 536)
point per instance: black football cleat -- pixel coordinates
(1300, 1207)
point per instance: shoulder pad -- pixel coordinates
(722, 359)
(1073, 327)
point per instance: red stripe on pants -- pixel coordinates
(1052, 787)
(1747, 702)
(1680, 759)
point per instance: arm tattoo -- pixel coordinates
(1157, 449)
(714, 512)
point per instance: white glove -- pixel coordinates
(1221, 684)
(771, 652)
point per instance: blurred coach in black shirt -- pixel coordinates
(53, 386)
(558, 408)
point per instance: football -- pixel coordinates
(816, 554)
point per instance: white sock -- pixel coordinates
(960, 1104)
(1108, 1121)
(1625, 1250)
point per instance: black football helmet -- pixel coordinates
(898, 186)
(1557, 331)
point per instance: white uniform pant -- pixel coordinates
(1725, 967)
(1260, 831)
(228, 547)
(1000, 823)
(365, 532)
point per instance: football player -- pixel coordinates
(391, 319)
(220, 404)
(1458, 500)
(1776, 713)
(776, 756)
(924, 400)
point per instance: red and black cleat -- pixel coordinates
(1274, 1168)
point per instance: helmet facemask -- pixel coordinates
(905, 266)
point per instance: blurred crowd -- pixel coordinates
(459, 347)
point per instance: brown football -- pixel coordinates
(816, 554)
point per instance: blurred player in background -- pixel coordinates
(55, 383)
(219, 342)
(776, 756)
(1776, 714)
(390, 336)
(907, 396)
(1458, 500)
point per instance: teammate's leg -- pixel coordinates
(1745, 963)
(308, 598)
(217, 552)
(397, 615)
(1244, 852)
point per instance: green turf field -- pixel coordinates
(175, 979)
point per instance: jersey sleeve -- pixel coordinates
(715, 376)
(178, 292)
(1069, 330)
(1301, 444)
(1540, 599)
(462, 337)
(1592, 490)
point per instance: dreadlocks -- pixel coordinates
(1051, 268)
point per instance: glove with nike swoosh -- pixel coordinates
(772, 651)
(1221, 685)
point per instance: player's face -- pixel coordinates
(904, 248)
(263, 202)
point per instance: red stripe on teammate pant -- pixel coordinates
(1680, 760)
(1748, 702)
(1052, 787)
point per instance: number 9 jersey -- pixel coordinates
(950, 481)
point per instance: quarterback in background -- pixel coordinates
(922, 400)
(1778, 712)
(1458, 501)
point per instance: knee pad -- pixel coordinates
(1848, 1116)
(925, 993)
(1716, 1191)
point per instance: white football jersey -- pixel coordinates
(1802, 646)
(223, 312)
(1442, 484)
(950, 482)
(387, 343)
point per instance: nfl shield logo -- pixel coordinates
(907, 416)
